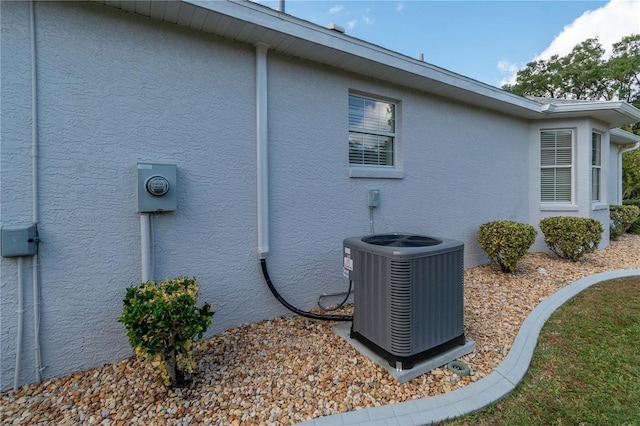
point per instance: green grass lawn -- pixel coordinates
(586, 367)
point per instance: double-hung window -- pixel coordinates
(556, 166)
(372, 132)
(596, 166)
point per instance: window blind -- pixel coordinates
(556, 159)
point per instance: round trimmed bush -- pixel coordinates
(571, 237)
(506, 242)
(622, 218)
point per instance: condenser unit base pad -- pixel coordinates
(419, 368)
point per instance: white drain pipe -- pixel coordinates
(262, 139)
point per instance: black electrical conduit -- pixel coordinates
(265, 273)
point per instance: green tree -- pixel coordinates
(624, 69)
(631, 175)
(584, 74)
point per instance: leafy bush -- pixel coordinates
(635, 226)
(162, 321)
(571, 237)
(622, 218)
(506, 242)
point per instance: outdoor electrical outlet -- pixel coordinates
(374, 197)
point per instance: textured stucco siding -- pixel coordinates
(115, 89)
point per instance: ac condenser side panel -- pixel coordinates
(438, 301)
(371, 297)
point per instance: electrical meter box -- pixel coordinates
(157, 187)
(19, 240)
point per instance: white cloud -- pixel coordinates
(336, 9)
(610, 23)
(400, 7)
(351, 24)
(509, 71)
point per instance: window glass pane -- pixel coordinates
(369, 114)
(368, 149)
(555, 185)
(596, 152)
(595, 184)
(555, 148)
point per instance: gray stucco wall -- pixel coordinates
(115, 89)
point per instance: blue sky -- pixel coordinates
(484, 40)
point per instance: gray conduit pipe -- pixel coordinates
(34, 186)
(20, 332)
(145, 247)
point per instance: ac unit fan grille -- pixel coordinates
(400, 309)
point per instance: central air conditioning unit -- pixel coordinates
(408, 295)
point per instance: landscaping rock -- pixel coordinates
(290, 369)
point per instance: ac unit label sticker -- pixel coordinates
(347, 263)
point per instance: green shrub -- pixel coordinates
(506, 242)
(635, 226)
(571, 237)
(162, 321)
(622, 217)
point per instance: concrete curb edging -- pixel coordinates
(500, 383)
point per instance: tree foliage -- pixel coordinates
(584, 73)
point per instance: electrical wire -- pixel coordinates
(265, 273)
(341, 304)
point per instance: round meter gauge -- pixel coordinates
(157, 185)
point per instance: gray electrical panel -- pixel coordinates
(19, 240)
(157, 187)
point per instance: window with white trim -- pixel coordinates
(596, 166)
(372, 132)
(556, 166)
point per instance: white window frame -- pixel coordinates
(392, 170)
(554, 166)
(596, 167)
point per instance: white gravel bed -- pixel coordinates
(290, 369)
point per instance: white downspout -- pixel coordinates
(622, 151)
(262, 168)
(145, 245)
(34, 185)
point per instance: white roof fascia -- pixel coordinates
(622, 137)
(616, 113)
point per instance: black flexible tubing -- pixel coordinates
(265, 273)
(341, 304)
